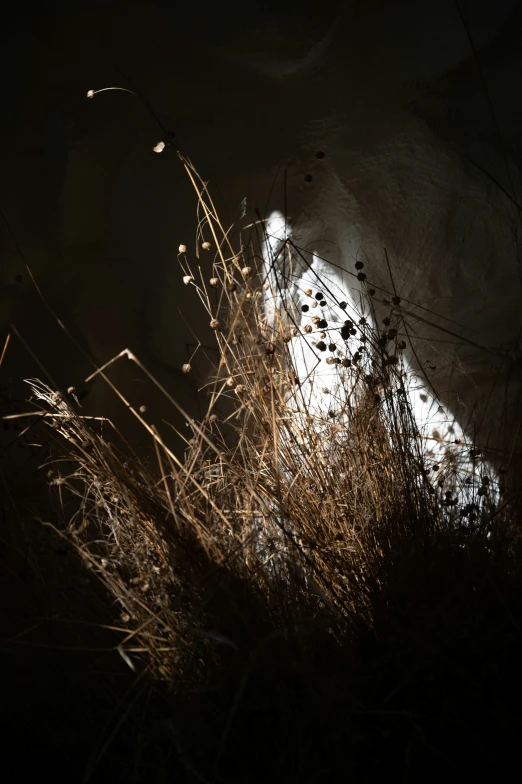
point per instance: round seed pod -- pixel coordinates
(322, 323)
(396, 300)
(187, 279)
(230, 382)
(343, 305)
(325, 390)
(401, 344)
(346, 362)
(305, 308)
(359, 265)
(392, 333)
(322, 335)
(371, 292)
(214, 324)
(246, 272)
(323, 303)
(321, 345)
(316, 320)
(314, 304)
(206, 246)
(143, 409)
(182, 249)
(214, 282)
(329, 360)
(353, 331)
(332, 347)
(231, 285)
(308, 328)
(186, 368)
(386, 321)
(213, 418)
(319, 295)
(361, 276)
(362, 320)
(308, 292)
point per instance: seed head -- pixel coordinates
(143, 409)
(182, 249)
(206, 246)
(187, 279)
(159, 147)
(308, 292)
(90, 94)
(246, 272)
(186, 368)
(308, 328)
(214, 323)
(214, 282)
(230, 382)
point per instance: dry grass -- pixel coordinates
(317, 605)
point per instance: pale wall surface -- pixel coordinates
(388, 91)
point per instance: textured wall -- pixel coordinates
(414, 162)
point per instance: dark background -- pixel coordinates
(99, 217)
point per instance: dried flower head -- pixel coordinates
(308, 292)
(186, 368)
(308, 328)
(182, 249)
(214, 282)
(159, 147)
(214, 323)
(187, 279)
(90, 94)
(206, 246)
(230, 382)
(246, 272)
(143, 409)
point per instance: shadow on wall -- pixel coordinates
(100, 217)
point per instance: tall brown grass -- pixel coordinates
(319, 605)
